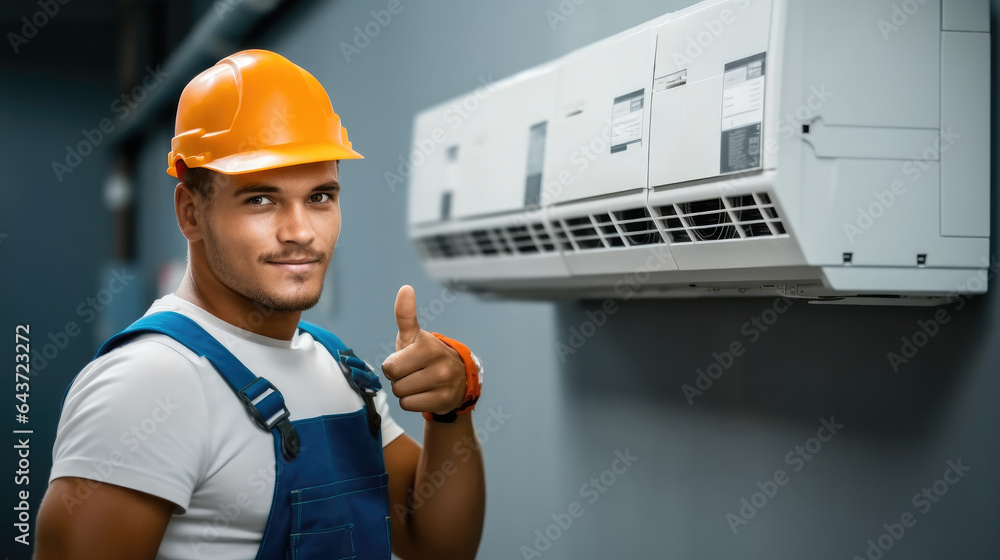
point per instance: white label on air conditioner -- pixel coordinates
(673, 80)
(626, 121)
(742, 113)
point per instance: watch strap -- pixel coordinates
(472, 382)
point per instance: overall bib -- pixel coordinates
(331, 497)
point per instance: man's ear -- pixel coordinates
(189, 210)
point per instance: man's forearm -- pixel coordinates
(449, 492)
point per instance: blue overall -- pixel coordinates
(331, 497)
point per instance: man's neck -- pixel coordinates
(240, 311)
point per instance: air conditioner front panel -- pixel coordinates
(473, 270)
(794, 281)
(684, 135)
(503, 147)
(711, 35)
(630, 260)
(691, 104)
(427, 166)
(754, 253)
(599, 139)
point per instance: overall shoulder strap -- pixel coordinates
(262, 399)
(359, 376)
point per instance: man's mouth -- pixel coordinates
(296, 266)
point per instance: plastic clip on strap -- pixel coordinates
(359, 376)
(357, 373)
(374, 418)
(473, 382)
(267, 407)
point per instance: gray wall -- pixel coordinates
(621, 391)
(56, 241)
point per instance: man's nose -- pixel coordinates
(295, 225)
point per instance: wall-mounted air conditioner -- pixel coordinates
(808, 148)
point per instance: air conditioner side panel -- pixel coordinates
(881, 63)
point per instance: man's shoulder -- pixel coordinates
(150, 348)
(146, 361)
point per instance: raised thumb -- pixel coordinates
(406, 317)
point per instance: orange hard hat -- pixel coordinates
(255, 110)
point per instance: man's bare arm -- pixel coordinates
(110, 523)
(445, 518)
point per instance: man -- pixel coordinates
(221, 426)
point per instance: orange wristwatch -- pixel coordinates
(473, 381)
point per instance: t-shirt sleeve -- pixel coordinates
(390, 429)
(135, 418)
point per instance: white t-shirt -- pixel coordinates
(154, 416)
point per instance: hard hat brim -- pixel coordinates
(273, 157)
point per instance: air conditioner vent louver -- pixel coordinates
(749, 216)
(672, 225)
(543, 237)
(521, 240)
(608, 231)
(618, 229)
(708, 220)
(484, 242)
(638, 225)
(448, 246)
(720, 219)
(582, 232)
(561, 236)
(716, 219)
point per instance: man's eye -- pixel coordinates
(257, 200)
(314, 199)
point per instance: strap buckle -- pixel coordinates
(267, 408)
(366, 392)
(265, 403)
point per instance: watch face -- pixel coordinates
(479, 366)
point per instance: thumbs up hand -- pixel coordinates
(426, 374)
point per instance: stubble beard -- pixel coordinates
(241, 284)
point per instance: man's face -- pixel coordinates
(269, 235)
